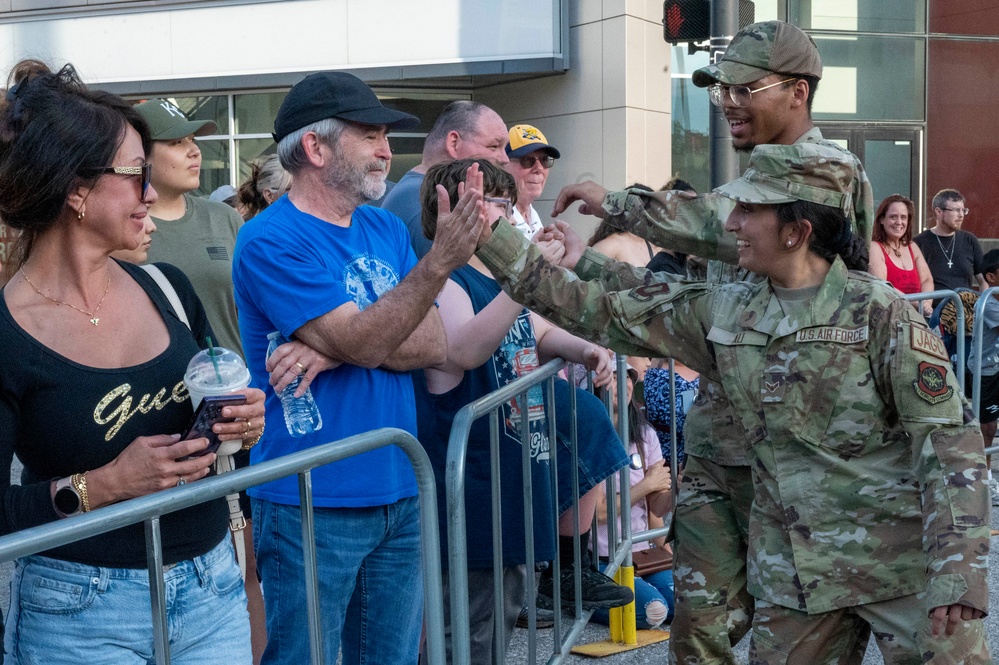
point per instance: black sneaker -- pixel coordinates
(599, 591)
(545, 618)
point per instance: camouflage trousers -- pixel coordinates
(713, 608)
(900, 628)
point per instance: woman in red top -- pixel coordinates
(894, 257)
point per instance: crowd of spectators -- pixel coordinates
(388, 317)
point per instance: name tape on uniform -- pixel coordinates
(832, 334)
(921, 339)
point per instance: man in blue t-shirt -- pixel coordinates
(340, 280)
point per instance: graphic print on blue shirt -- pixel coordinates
(517, 356)
(366, 278)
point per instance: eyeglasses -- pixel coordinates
(506, 203)
(961, 211)
(146, 171)
(527, 161)
(741, 95)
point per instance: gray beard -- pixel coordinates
(341, 176)
(373, 190)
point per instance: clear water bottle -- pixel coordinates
(301, 415)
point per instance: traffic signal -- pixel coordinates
(690, 20)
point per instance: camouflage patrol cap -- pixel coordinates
(761, 49)
(797, 172)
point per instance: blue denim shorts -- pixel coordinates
(600, 452)
(65, 612)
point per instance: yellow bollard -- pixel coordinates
(626, 577)
(623, 633)
(616, 617)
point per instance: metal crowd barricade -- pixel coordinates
(959, 305)
(977, 339)
(491, 405)
(149, 508)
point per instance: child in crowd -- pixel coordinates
(492, 341)
(988, 403)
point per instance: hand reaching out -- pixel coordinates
(462, 230)
(590, 193)
(601, 362)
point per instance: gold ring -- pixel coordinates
(246, 426)
(302, 369)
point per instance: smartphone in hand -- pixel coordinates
(209, 413)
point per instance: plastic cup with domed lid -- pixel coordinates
(215, 371)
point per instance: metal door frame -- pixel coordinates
(855, 134)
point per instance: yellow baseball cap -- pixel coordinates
(525, 139)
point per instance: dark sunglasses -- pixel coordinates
(146, 171)
(527, 161)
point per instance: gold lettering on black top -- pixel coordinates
(121, 413)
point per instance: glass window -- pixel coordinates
(255, 113)
(247, 150)
(214, 166)
(859, 15)
(407, 152)
(889, 166)
(870, 78)
(691, 122)
(240, 140)
(215, 107)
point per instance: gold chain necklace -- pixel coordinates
(92, 315)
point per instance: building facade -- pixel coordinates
(906, 84)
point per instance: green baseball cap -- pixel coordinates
(797, 172)
(167, 122)
(761, 49)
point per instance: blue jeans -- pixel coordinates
(370, 582)
(648, 589)
(65, 612)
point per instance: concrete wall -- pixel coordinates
(191, 41)
(609, 115)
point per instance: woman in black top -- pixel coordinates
(91, 391)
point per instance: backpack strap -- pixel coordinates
(224, 463)
(171, 293)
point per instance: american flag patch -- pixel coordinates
(218, 253)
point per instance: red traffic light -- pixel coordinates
(686, 20)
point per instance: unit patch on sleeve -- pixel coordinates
(931, 383)
(648, 292)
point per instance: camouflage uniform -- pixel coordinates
(861, 446)
(713, 607)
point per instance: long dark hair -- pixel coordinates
(832, 232)
(55, 135)
(879, 234)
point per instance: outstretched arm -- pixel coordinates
(373, 337)
(667, 219)
(645, 321)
